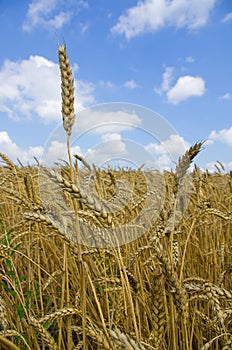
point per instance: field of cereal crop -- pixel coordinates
(73, 286)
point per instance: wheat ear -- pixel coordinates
(96, 336)
(158, 286)
(8, 162)
(67, 88)
(58, 314)
(124, 340)
(185, 161)
(44, 334)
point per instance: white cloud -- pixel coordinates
(103, 121)
(166, 80)
(185, 87)
(57, 151)
(130, 84)
(14, 152)
(31, 87)
(111, 148)
(107, 84)
(227, 17)
(111, 136)
(84, 27)
(224, 135)
(189, 59)
(41, 13)
(168, 152)
(53, 153)
(175, 145)
(52, 14)
(212, 168)
(165, 162)
(152, 15)
(227, 96)
(59, 20)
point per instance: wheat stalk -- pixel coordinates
(3, 314)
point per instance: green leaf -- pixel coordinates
(11, 273)
(10, 290)
(21, 312)
(8, 263)
(23, 278)
(46, 325)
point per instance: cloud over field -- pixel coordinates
(55, 151)
(52, 14)
(152, 15)
(185, 87)
(224, 135)
(175, 145)
(104, 120)
(13, 151)
(166, 80)
(168, 151)
(111, 147)
(31, 88)
(130, 84)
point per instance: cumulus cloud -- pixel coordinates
(168, 152)
(130, 84)
(224, 135)
(14, 152)
(31, 87)
(175, 146)
(111, 136)
(103, 121)
(52, 14)
(111, 148)
(54, 152)
(57, 151)
(186, 86)
(152, 15)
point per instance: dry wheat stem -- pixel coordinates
(7, 344)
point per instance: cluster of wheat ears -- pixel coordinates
(169, 289)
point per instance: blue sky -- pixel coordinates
(170, 57)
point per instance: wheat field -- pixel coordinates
(168, 289)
